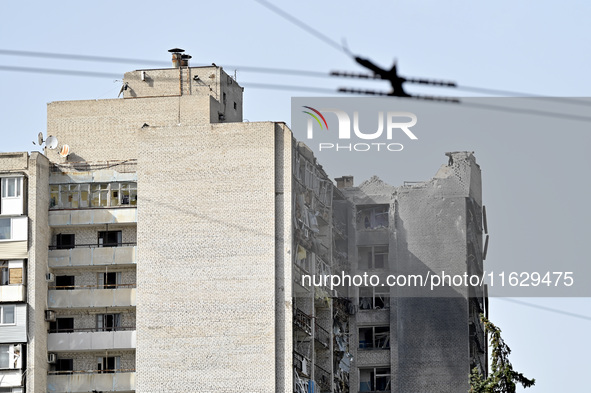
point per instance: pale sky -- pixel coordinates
(535, 47)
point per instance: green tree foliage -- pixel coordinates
(502, 378)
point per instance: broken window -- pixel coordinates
(128, 194)
(374, 337)
(372, 217)
(108, 322)
(108, 364)
(109, 280)
(65, 241)
(372, 257)
(74, 196)
(99, 195)
(374, 298)
(64, 282)
(109, 239)
(62, 325)
(376, 379)
(304, 259)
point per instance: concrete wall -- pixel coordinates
(283, 260)
(206, 281)
(428, 232)
(38, 203)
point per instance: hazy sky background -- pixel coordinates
(535, 182)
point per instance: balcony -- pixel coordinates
(10, 378)
(88, 381)
(93, 255)
(119, 338)
(94, 216)
(303, 321)
(13, 293)
(322, 377)
(121, 295)
(322, 335)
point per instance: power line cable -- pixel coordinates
(104, 59)
(254, 69)
(256, 85)
(303, 25)
(554, 310)
(36, 70)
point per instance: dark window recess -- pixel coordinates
(65, 241)
(108, 364)
(4, 273)
(108, 322)
(64, 365)
(110, 280)
(64, 282)
(62, 325)
(235, 106)
(109, 238)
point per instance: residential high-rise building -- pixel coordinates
(160, 246)
(405, 338)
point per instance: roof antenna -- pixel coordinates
(123, 88)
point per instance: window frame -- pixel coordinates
(93, 195)
(7, 352)
(375, 343)
(61, 245)
(101, 322)
(374, 250)
(9, 220)
(376, 297)
(54, 327)
(18, 191)
(103, 235)
(371, 217)
(374, 375)
(2, 315)
(103, 361)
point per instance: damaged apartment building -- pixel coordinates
(159, 244)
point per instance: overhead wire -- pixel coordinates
(550, 309)
(242, 68)
(256, 85)
(327, 40)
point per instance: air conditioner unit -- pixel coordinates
(51, 358)
(50, 315)
(50, 277)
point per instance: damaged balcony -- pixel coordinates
(93, 255)
(303, 321)
(83, 296)
(89, 381)
(92, 339)
(322, 378)
(322, 336)
(301, 364)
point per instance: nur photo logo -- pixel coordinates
(390, 125)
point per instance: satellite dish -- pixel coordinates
(64, 151)
(51, 142)
(40, 138)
